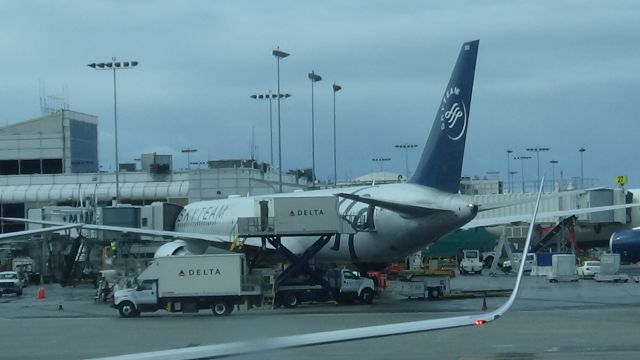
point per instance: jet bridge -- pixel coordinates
(295, 216)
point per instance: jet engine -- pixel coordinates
(627, 244)
(176, 247)
(182, 247)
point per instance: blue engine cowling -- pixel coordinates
(627, 244)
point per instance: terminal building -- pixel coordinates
(53, 161)
(65, 142)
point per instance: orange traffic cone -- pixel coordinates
(41, 293)
(484, 303)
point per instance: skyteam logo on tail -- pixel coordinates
(453, 114)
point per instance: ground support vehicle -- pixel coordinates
(189, 284)
(469, 262)
(341, 285)
(563, 268)
(608, 270)
(528, 264)
(424, 286)
(10, 283)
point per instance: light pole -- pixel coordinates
(553, 173)
(511, 173)
(314, 78)
(509, 169)
(188, 151)
(380, 160)
(336, 88)
(406, 148)
(269, 97)
(115, 65)
(279, 55)
(582, 150)
(537, 151)
(522, 158)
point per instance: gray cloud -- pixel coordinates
(560, 74)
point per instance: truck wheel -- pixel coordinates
(127, 309)
(433, 293)
(220, 308)
(366, 296)
(290, 300)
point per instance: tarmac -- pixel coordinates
(583, 320)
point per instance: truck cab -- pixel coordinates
(11, 283)
(350, 285)
(142, 298)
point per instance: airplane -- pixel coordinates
(626, 242)
(401, 218)
(227, 350)
(406, 216)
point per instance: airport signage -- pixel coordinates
(621, 179)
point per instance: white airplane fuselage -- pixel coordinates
(394, 235)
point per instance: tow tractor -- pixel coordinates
(469, 262)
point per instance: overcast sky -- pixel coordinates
(556, 74)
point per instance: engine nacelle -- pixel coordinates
(627, 244)
(182, 247)
(176, 247)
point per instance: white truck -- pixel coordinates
(469, 262)
(424, 286)
(11, 283)
(345, 285)
(188, 284)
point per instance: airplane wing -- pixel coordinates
(336, 336)
(120, 229)
(408, 209)
(506, 220)
(21, 234)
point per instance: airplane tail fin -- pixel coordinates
(440, 166)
